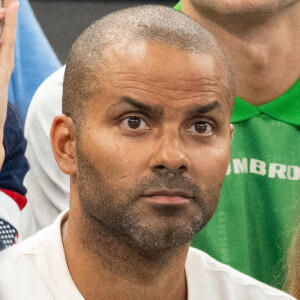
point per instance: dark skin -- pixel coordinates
(155, 117)
(260, 37)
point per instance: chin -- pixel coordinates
(232, 7)
(167, 235)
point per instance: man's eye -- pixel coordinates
(134, 123)
(202, 127)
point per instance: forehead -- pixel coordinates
(159, 72)
(162, 62)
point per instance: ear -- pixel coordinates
(63, 141)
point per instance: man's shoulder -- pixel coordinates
(50, 89)
(224, 282)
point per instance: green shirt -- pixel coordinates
(255, 220)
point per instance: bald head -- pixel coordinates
(151, 24)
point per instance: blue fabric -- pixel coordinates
(15, 165)
(34, 60)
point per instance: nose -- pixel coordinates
(170, 156)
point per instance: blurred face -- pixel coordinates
(155, 145)
(240, 6)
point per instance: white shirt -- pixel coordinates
(36, 269)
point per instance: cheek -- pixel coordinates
(117, 160)
(209, 165)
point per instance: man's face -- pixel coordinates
(236, 7)
(154, 145)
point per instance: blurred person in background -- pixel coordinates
(34, 60)
(12, 143)
(12, 191)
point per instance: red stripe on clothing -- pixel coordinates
(19, 199)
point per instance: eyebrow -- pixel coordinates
(153, 110)
(203, 109)
(157, 112)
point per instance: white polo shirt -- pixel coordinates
(36, 269)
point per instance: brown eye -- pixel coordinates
(200, 127)
(135, 123)
(203, 128)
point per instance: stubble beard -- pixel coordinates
(111, 216)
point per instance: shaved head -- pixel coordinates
(150, 24)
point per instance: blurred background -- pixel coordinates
(64, 20)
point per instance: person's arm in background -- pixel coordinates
(12, 142)
(9, 14)
(35, 61)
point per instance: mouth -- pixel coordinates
(168, 197)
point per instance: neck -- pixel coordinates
(264, 49)
(105, 268)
